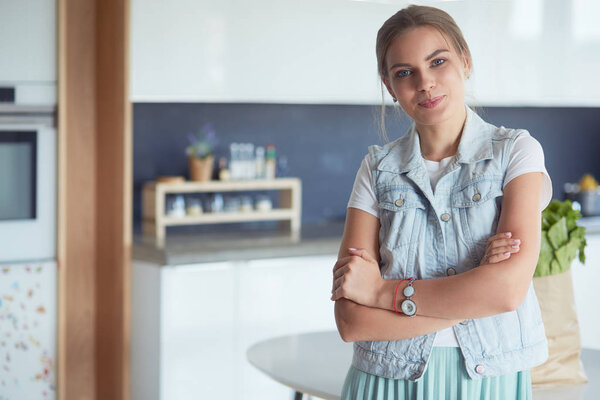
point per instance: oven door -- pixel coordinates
(27, 192)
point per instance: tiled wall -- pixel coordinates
(325, 143)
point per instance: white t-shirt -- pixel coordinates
(527, 156)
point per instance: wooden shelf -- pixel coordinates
(223, 217)
(226, 186)
(155, 221)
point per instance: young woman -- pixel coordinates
(432, 314)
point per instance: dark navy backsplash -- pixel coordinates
(324, 144)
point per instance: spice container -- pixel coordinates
(263, 203)
(175, 206)
(246, 204)
(217, 203)
(232, 204)
(193, 206)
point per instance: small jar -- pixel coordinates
(217, 203)
(263, 203)
(246, 204)
(194, 206)
(232, 204)
(175, 206)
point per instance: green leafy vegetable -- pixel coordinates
(562, 238)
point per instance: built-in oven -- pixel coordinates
(27, 183)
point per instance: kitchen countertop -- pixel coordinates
(229, 245)
(190, 248)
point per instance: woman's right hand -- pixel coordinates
(499, 248)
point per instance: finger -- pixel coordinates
(364, 254)
(498, 236)
(341, 262)
(502, 243)
(497, 258)
(503, 249)
(337, 294)
(340, 271)
(337, 283)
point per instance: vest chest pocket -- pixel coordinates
(402, 214)
(478, 204)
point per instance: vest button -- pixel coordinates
(399, 202)
(476, 197)
(445, 217)
(450, 271)
(480, 369)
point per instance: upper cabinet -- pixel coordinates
(538, 52)
(28, 50)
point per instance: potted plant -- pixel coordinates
(200, 154)
(562, 240)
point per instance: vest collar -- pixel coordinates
(475, 145)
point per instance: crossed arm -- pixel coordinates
(364, 307)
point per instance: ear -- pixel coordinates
(386, 82)
(466, 67)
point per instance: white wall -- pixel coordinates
(534, 52)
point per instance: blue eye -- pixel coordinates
(438, 61)
(403, 73)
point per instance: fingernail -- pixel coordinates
(351, 248)
(516, 240)
(507, 253)
(515, 246)
(508, 234)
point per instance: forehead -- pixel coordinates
(416, 44)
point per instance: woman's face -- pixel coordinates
(426, 76)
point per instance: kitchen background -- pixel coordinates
(300, 74)
(324, 144)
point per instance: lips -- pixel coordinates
(432, 103)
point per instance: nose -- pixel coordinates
(426, 81)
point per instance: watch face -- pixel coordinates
(409, 307)
(408, 291)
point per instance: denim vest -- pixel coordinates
(430, 235)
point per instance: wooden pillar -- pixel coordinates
(94, 199)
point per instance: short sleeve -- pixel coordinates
(528, 156)
(362, 196)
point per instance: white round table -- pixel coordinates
(316, 364)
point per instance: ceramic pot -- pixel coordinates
(201, 169)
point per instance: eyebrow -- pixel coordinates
(429, 57)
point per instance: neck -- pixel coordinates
(442, 140)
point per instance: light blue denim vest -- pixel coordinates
(430, 235)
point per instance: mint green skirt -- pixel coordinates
(445, 378)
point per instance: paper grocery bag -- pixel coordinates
(563, 367)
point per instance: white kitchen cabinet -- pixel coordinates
(198, 332)
(586, 279)
(192, 324)
(308, 51)
(280, 297)
(28, 48)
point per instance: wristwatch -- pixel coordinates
(408, 306)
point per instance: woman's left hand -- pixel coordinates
(357, 278)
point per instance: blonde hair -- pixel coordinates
(409, 18)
